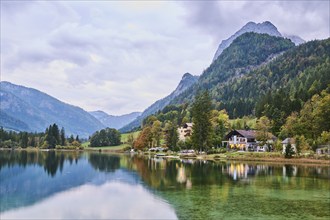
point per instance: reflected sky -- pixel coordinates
(112, 200)
(71, 185)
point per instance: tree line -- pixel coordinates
(52, 137)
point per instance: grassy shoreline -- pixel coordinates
(229, 156)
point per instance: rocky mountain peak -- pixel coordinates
(261, 28)
(186, 75)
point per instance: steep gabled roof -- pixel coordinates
(289, 140)
(250, 134)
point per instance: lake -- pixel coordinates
(71, 185)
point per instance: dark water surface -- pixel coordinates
(71, 185)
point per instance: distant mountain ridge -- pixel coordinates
(114, 121)
(260, 28)
(27, 109)
(187, 81)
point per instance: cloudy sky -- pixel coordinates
(123, 56)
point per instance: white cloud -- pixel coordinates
(114, 200)
(122, 56)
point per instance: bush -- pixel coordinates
(76, 144)
(220, 150)
(288, 151)
(278, 146)
(8, 144)
(128, 148)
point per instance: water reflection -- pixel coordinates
(160, 173)
(51, 161)
(245, 171)
(194, 188)
(108, 201)
(104, 162)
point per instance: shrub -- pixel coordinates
(288, 151)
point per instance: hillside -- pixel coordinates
(263, 75)
(247, 52)
(186, 82)
(297, 75)
(115, 121)
(27, 109)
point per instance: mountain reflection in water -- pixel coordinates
(94, 185)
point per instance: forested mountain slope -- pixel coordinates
(247, 52)
(246, 80)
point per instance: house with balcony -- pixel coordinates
(241, 140)
(246, 140)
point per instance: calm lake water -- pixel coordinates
(71, 185)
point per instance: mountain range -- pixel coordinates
(113, 121)
(260, 28)
(256, 60)
(28, 109)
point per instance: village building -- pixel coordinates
(323, 149)
(241, 139)
(185, 131)
(285, 143)
(246, 140)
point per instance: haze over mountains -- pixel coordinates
(242, 72)
(186, 82)
(27, 109)
(113, 121)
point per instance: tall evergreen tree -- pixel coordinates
(171, 135)
(56, 133)
(77, 138)
(62, 136)
(202, 126)
(24, 139)
(71, 138)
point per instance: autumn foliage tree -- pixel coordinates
(144, 139)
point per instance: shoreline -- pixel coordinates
(210, 157)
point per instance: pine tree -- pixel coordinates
(288, 151)
(24, 139)
(62, 137)
(171, 135)
(77, 139)
(202, 126)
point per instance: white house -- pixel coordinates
(185, 131)
(246, 140)
(286, 142)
